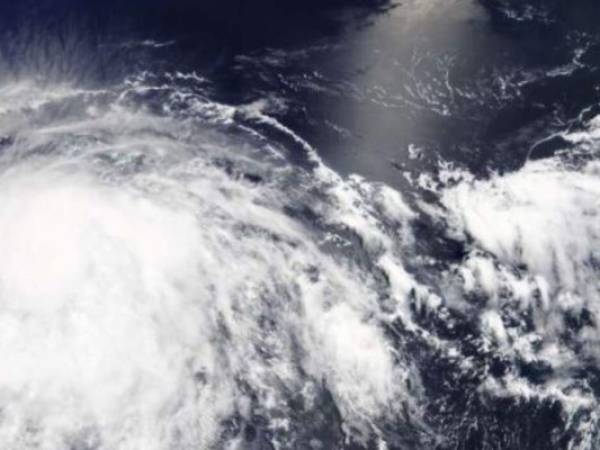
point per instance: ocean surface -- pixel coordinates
(284, 224)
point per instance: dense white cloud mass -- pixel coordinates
(543, 217)
(151, 290)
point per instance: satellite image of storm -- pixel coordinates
(299, 224)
